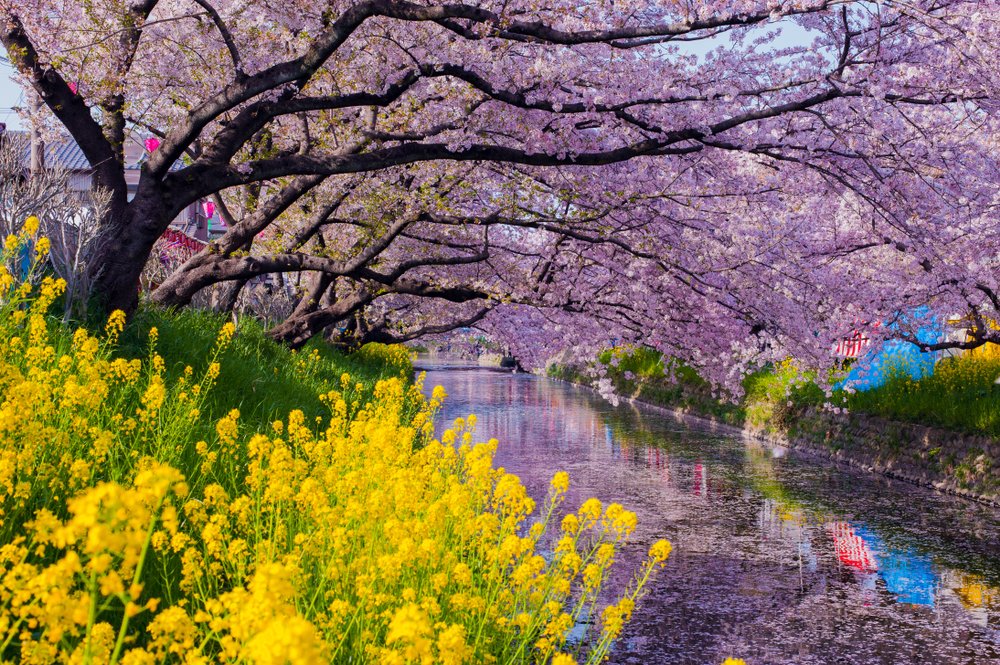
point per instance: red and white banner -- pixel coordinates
(176, 240)
(852, 346)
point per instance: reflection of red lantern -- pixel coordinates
(152, 144)
(209, 207)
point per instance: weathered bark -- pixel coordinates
(382, 332)
(124, 241)
(181, 286)
(296, 331)
(215, 264)
(319, 286)
(225, 297)
(311, 319)
(205, 269)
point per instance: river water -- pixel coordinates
(777, 558)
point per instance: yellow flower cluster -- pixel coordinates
(132, 533)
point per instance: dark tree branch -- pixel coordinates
(227, 37)
(55, 92)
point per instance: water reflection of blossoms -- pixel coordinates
(884, 572)
(816, 558)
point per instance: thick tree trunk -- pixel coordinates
(123, 245)
(125, 238)
(115, 271)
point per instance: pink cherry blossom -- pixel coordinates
(560, 176)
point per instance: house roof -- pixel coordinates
(68, 154)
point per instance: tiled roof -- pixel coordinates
(66, 153)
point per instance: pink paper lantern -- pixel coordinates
(209, 207)
(152, 144)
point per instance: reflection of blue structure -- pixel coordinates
(895, 357)
(609, 438)
(908, 575)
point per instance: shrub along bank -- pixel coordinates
(182, 490)
(942, 430)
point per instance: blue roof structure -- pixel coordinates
(66, 154)
(896, 358)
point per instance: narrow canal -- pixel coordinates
(777, 559)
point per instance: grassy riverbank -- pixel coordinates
(942, 431)
(961, 394)
(263, 379)
(181, 489)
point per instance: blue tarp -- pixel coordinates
(25, 259)
(895, 357)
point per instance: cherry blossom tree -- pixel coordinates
(559, 174)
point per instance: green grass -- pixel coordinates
(260, 377)
(960, 395)
(639, 373)
(774, 396)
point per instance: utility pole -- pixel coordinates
(37, 144)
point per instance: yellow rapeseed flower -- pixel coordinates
(590, 511)
(660, 550)
(356, 537)
(115, 325)
(31, 225)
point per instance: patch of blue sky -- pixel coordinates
(11, 95)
